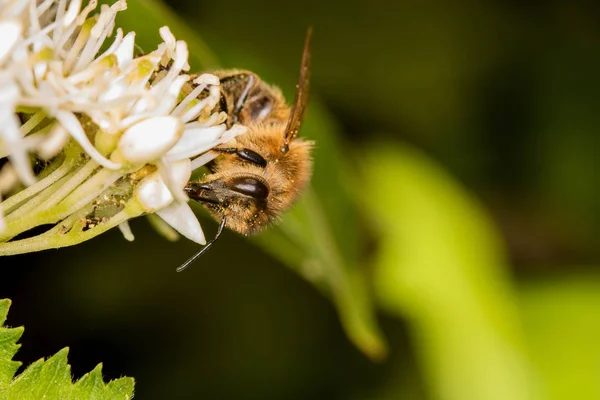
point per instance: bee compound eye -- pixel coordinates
(250, 187)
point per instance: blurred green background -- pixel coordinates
(448, 248)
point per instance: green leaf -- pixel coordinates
(320, 238)
(91, 386)
(8, 346)
(43, 379)
(440, 265)
(51, 378)
(562, 328)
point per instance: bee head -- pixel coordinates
(242, 199)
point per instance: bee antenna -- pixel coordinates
(203, 250)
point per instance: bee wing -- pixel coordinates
(302, 91)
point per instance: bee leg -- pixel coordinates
(245, 154)
(204, 249)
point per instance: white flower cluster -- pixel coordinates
(109, 128)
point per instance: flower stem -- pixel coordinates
(57, 206)
(32, 122)
(13, 201)
(76, 180)
(57, 237)
(36, 201)
(85, 193)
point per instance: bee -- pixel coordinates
(260, 174)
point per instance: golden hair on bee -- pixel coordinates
(259, 175)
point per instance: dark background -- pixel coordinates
(503, 95)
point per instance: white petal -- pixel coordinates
(53, 143)
(214, 119)
(188, 99)
(16, 8)
(195, 111)
(169, 39)
(168, 95)
(150, 139)
(115, 91)
(181, 172)
(153, 194)
(72, 12)
(60, 14)
(141, 69)
(195, 141)
(202, 81)
(39, 69)
(143, 105)
(102, 28)
(124, 52)
(114, 46)
(10, 32)
(126, 231)
(72, 125)
(181, 217)
(75, 48)
(9, 93)
(181, 57)
(233, 132)
(215, 96)
(84, 13)
(8, 179)
(176, 176)
(16, 147)
(208, 79)
(133, 119)
(203, 159)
